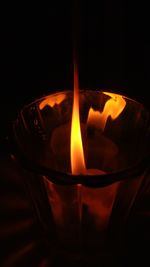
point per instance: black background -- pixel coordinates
(36, 57)
(36, 50)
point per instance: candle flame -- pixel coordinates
(113, 108)
(77, 153)
(52, 100)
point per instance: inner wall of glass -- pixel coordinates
(115, 131)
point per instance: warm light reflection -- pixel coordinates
(52, 100)
(77, 154)
(113, 108)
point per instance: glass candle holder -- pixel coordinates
(116, 142)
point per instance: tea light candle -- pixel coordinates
(98, 150)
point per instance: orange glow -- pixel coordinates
(113, 108)
(100, 203)
(52, 100)
(77, 154)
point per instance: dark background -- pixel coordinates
(36, 50)
(36, 57)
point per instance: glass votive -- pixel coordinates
(116, 141)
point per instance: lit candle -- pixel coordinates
(113, 108)
(83, 145)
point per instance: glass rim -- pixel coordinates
(99, 90)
